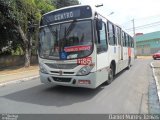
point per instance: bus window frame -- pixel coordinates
(119, 35)
(113, 35)
(106, 37)
(123, 39)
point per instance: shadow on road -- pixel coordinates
(59, 95)
(54, 96)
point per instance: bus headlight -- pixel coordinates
(85, 70)
(42, 69)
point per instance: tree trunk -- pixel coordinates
(27, 57)
(29, 48)
(37, 39)
(27, 45)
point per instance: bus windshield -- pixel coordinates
(65, 41)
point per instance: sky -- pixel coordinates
(146, 13)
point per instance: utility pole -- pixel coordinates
(134, 33)
(133, 28)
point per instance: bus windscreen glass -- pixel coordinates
(65, 41)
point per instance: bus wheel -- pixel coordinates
(110, 76)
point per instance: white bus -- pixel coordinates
(79, 47)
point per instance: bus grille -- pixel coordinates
(65, 73)
(61, 66)
(61, 79)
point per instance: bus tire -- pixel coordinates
(110, 76)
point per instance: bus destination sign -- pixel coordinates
(66, 14)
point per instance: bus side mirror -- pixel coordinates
(99, 24)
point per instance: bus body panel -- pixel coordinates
(102, 67)
(132, 56)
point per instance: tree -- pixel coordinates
(7, 32)
(19, 16)
(64, 3)
(18, 20)
(44, 6)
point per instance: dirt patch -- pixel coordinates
(144, 57)
(17, 69)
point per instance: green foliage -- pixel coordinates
(23, 13)
(64, 3)
(44, 6)
(19, 12)
(17, 51)
(9, 38)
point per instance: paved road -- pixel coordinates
(127, 94)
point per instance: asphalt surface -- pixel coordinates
(128, 93)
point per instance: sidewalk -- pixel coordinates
(156, 73)
(18, 73)
(156, 67)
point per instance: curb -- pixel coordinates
(19, 80)
(157, 84)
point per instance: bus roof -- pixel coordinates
(68, 13)
(73, 6)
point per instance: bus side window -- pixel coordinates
(123, 39)
(111, 34)
(119, 35)
(127, 40)
(132, 42)
(102, 46)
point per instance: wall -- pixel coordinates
(6, 61)
(148, 47)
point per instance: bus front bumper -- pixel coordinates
(87, 81)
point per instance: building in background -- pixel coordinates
(147, 44)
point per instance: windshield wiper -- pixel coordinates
(49, 26)
(70, 28)
(67, 31)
